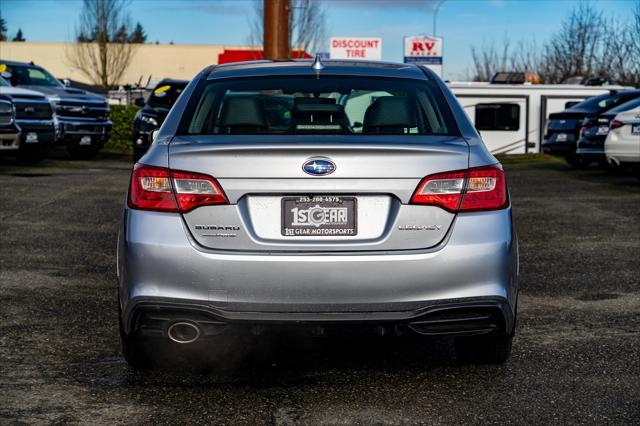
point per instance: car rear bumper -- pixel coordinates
(152, 317)
(559, 148)
(622, 149)
(592, 154)
(162, 269)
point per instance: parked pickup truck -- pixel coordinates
(9, 131)
(33, 118)
(81, 118)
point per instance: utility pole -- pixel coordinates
(276, 29)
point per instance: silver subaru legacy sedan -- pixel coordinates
(337, 195)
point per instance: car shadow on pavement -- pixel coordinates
(268, 360)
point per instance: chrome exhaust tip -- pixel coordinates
(183, 332)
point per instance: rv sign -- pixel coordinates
(356, 48)
(424, 50)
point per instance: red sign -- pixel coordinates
(356, 48)
(422, 46)
(243, 55)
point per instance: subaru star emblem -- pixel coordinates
(319, 166)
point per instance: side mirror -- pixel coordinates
(66, 82)
(139, 102)
(154, 135)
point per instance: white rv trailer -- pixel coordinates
(512, 117)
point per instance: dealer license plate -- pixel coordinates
(85, 140)
(324, 215)
(561, 137)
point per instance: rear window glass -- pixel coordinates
(310, 105)
(504, 117)
(625, 106)
(606, 101)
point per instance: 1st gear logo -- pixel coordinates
(318, 216)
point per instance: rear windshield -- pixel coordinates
(604, 102)
(625, 106)
(310, 105)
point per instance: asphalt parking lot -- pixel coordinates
(576, 358)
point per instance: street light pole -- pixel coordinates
(435, 15)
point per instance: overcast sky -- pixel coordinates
(462, 23)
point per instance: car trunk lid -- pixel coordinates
(362, 204)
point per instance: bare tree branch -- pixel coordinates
(102, 52)
(587, 45)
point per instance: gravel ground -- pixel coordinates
(576, 357)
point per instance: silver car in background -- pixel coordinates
(332, 195)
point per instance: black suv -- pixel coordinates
(81, 118)
(563, 128)
(153, 113)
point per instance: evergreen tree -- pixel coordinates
(3, 29)
(138, 35)
(121, 35)
(19, 36)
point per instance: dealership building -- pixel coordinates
(150, 61)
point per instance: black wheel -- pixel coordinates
(576, 162)
(134, 349)
(83, 153)
(483, 349)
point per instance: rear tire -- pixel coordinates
(133, 347)
(483, 349)
(576, 162)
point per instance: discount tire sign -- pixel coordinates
(356, 48)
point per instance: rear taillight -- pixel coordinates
(476, 189)
(614, 124)
(161, 189)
